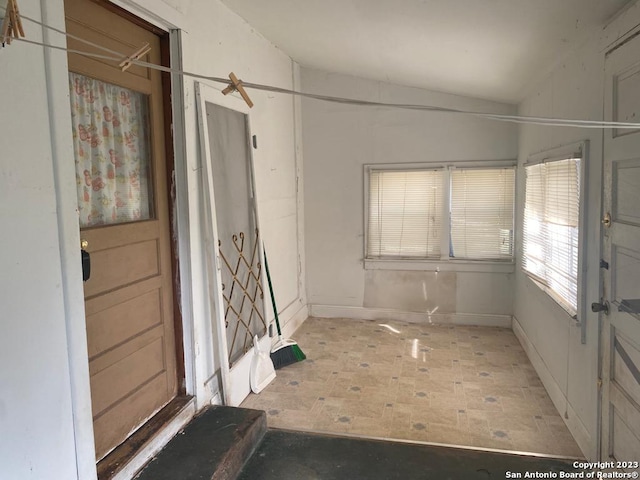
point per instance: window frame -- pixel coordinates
(577, 150)
(445, 262)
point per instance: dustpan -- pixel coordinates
(262, 370)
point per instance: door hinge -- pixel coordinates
(599, 383)
(255, 142)
(604, 264)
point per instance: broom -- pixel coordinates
(285, 351)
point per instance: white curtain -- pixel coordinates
(111, 144)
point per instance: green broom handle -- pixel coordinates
(273, 298)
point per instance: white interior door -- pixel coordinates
(234, 246)
(621, 327)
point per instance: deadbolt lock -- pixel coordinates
(606, 221)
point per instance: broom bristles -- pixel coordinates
(297, 351)
(286, 355)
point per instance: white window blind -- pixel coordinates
(405, 213)
(551, 228)
(482, 213)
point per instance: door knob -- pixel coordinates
(606, 221)
(84, 244)
(600, 307)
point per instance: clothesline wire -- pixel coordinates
(116, 56)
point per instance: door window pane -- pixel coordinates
(112, 152)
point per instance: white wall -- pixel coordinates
(568, 368)
(36, 416)
(338, 140)
(45, 416)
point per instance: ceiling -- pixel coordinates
(482, 48)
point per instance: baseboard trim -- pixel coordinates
(291, 319)
(558, 397)
(363, 313)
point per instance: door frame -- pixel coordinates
(56, 72)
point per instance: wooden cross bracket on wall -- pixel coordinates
(11, 24)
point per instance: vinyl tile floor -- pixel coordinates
(459, 385)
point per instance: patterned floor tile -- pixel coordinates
(464, 385)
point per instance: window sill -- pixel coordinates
(478, 266)
(552, 297)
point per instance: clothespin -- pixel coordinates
(127, 62)
(12, 23)
(236, 85)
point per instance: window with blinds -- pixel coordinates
(405, 213)
(551, 228)
(482, 202)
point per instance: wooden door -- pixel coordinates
(621, 223)
(123, 205)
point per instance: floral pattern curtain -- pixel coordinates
(111, 144)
